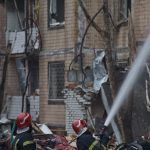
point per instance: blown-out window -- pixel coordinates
(56, 79)
(55, 12)
(124, 8)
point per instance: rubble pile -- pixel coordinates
(52, 142)
(46, 140)
(5, 134)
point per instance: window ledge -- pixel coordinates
(57, 25)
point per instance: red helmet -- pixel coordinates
(78, 124)
(23, 120)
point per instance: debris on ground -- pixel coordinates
(46, 140)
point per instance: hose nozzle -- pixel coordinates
(103, 129)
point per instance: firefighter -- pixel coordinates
(85, 139)
(24, 138)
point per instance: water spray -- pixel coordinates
(129, 81)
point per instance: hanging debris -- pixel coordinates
(99, 71)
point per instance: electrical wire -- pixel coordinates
(81, 47)
(82, 43)
(37, 38)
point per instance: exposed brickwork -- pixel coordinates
(74, 109)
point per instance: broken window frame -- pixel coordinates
(124, 8)
(56, 80)
(57, 18)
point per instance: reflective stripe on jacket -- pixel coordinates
(96, 145)
(24, 141)
(92, 146)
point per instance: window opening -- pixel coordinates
(55, 12)
(56, 80)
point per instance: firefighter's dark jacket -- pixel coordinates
(24, 141)
(86, 142)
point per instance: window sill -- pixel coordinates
(56, 25)
(56, 102)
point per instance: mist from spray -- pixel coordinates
(129, 81)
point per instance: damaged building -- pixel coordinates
(53, 72)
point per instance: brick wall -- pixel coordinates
(74, 108)
(48, 112)
(67, 36)
(12, 82)
(77, 105)
(52, 114)
(64, 37)
(141, 21)
(122, 37)
(93, 38)
(141, 18)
